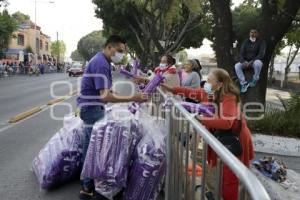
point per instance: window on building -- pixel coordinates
(37, 45)
(21, 40)
(47, 46)
(41, 44)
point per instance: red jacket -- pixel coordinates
(229, 110)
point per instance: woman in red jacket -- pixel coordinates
(226, 96)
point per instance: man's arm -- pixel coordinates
(262, 51)
(242, 52)
(108, 97)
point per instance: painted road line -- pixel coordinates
(25, 114)
(54, 101)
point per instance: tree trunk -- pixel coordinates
(223, 34)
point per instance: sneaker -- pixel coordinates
(86, 194)
(244, 87)
(252, 83)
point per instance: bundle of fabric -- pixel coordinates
(110, 151)
(149, 163)
(271, 168)
(59, 161)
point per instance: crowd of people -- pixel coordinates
(188, 82)
(10, 68)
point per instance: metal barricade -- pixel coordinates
(185, 137)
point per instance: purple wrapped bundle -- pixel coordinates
(147, 171)
(106, 188)
(110, 149)
(208, 110)
(60, 159)
(126, 73)
(150, 88)
(136, 66)
(89, 169)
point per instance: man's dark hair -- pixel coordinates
(254, 28)
(170, 59)
(115, 39)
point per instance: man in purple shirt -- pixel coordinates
(96, 92)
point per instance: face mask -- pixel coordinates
(162, 66)
(117, 58)
(252, 39)
(208, 88)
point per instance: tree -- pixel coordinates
(277, 17)
(293, 41)
(153, 27)
(58, 49)
(3, 3)
(76, 56)
(7, 27)
(90, 44)
(21, 18)
(29, 49)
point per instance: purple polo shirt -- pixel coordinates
(97, 76)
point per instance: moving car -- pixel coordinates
(75, 70)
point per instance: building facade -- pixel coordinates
(29, 37)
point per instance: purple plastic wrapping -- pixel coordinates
(126, 73)
(208, 110)
(149, 88)
(149, 165)
(60, 159)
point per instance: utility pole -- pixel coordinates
(58, 49)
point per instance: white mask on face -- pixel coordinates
(162, 66)
(117, 58)
(252, 39)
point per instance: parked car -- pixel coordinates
(75, 70)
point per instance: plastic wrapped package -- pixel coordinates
(149, 88)
(208, 110)
(149, 163)
(287, 190)
(109, 155)
(59, 161)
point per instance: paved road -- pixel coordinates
(20, 93)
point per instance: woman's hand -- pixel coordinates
(167, 87)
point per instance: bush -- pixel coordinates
(278, 122)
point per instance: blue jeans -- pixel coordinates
(89, 115)
(257, 65)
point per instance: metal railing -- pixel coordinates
(185, 137)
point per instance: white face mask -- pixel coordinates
(117, 58)
(162, 66)
(252, 39)
(208, 88)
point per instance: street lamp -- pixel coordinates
(37, 45)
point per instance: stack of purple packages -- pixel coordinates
(60, 159)
(110, 152)
(148, 169)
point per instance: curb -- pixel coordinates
(54, 101)
(25, 114)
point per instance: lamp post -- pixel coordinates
(37, 42)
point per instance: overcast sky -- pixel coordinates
(71, 18)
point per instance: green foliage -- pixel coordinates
(183, 56)
(21, 18)
(90, 44)
(281, 122)
(7, 27)
(29, 49)
(245, 17)
(76, 56)
(58, 49)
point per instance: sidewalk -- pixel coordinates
(272, 99)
